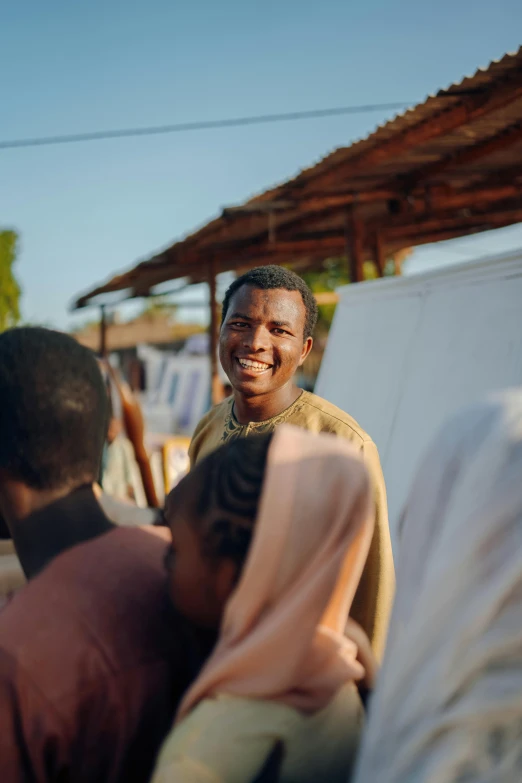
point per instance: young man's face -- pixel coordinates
(262, 339)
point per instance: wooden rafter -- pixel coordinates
(470, 154)
(443, 235)
(454, 223)
(312, 210)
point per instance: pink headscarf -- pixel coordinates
(282, 632)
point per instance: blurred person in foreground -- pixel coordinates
(448, 704)
(119, 512)
(269, 539)
(93, 660)
(268, 319)
(124, 513)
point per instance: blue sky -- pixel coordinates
(84, 211)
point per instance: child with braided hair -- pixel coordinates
(269, 539)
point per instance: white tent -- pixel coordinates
(403, 353)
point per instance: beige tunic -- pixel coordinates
(227, 740)
(373, 601)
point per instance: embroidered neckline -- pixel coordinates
(233, 429)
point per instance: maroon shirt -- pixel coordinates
(93, 662)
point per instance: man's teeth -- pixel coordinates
(248, 364)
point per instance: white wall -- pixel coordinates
(404, 353)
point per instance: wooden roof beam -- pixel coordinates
(508, 175)
(287, 236)
(507, 138)
(472, 197)
(465, 111)
(429, 238)
(433, 201)
(445, 234)
(314, 207)
(510, 214)
(316, 244)
(293, 212)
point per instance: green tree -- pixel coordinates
(9, 289)
(335, 273)
(159, 305)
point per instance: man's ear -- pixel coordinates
(307, 347)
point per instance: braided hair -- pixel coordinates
(228, 504)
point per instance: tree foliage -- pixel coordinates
(159, 306)
(335, 273)
(10, 291)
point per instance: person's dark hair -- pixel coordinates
(270, 277)
(53, 409)
(228, 504)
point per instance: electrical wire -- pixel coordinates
(184, 127)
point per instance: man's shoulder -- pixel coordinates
(208, 433)
(216, 414)
(91, 650)
(320, 415)
(44, 642)
(96, 609)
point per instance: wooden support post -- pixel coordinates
(379, 255)
(217, 391)
(354, 247)
(103, 333)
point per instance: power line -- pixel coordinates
(156, 130)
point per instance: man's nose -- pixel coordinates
(257, 339)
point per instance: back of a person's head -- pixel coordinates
(230, 482)
(53, 409)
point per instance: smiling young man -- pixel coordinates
(268, 319)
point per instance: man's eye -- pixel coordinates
(277, 330)
(238, 323)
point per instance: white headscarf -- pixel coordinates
(448, 704)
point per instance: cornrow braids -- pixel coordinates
(229, 504)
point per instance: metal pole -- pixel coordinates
(354, 247)
(379, 255)
(216, 385)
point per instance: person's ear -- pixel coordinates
(307, 347)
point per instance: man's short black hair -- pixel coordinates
(53, 409)
(270, 277)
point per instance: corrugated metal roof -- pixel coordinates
(464, 138)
